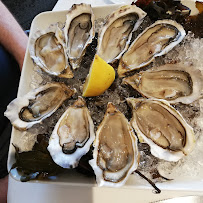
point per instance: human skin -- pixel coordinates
(12, 37)
(14, 40)
(3, 189)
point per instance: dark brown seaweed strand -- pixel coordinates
(157, 190)
(156, 174)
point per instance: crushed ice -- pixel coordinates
(188, 52)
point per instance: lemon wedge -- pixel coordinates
(99, 79)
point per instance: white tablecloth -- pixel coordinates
(28, 192)
(66, 4)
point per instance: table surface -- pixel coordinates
(52, 193)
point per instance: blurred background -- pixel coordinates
(24, 11)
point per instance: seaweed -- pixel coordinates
(174, 10)
(157, 190)
(164, 9)
(38, 163)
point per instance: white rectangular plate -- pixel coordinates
(42, 21)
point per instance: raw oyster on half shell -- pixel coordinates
(156, 40)
(115, 154)
(47, 50)
(114, 37)
(72, 135)
(162, 127)
(172, 82)
(79, 31)
(36, 105)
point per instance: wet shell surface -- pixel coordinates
(48, 52)
(172, 82)
(162, 127)
(114, 37)
(79, 31)
(72, 135)
(156, 40)
(36, 105)
(115, 154)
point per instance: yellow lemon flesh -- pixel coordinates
(100, 78)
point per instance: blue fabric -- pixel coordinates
(9, 79)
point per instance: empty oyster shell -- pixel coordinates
(47, 51)
(72, 135)
(36, 105)
(162, 128)
(156, 40)
(115, 35)
(172, 82)
(79, 31)
(115, 154)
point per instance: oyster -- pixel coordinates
(72, 135)
(115, 35)
(79, 31)
(115, 154)
(162, 128)
(156, 40)
(172, 82)
(36, 105)
(48, 52)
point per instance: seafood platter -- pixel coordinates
(111, 96)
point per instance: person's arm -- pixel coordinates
(12, 37)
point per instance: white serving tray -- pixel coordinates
(42, 21)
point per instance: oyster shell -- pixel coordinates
(72, 135)
(162, 127)
(115, 154)
(156, 40)
(79, 31)
(172, 82)
(48, 52)
(36, 105)
(115, 35)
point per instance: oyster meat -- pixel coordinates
(79, 31)
(172, 82)
(72, 135)
(115, 154)
(162, 127)
(114, 37)
(36, 105)
(48, 52)
(156, 40)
